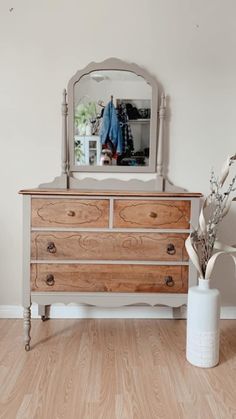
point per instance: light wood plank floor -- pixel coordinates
(112, 369)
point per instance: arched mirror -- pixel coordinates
(112, 118)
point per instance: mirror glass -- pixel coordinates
(112, 114)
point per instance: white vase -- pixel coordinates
(203, 318)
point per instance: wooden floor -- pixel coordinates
(110, 369)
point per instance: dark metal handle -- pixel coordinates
(170, 249)
(153, 214)
(51, 248)
(50, 281)
(71, 213)
(169, 281)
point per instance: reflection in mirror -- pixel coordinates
(112, 112)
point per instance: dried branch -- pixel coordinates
(216, 206)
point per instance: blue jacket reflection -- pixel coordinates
(110, 129)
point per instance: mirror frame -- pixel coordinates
(114, 64)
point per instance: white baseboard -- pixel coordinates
(73, 311)
(228, 312)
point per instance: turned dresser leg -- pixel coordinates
(27, 327)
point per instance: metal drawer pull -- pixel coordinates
(71, 213)
(50, 281)
(153, 214)
(171, 249)
(51, 248)
(169, 281)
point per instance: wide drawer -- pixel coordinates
(109, 278)
(108, 246)
(70, 212)
(151, 213)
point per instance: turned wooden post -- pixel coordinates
(162, 112)
(64, 150)
(27, 327)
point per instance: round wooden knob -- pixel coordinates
(51, 248)
(169, 281)
(71, 213)
(170, 249)
(50, 281)
(153, 214)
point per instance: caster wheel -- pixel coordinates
(27, 347)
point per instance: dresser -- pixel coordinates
(105, 248)
(109, 235)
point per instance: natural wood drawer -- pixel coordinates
(109, 278)
(70, 212)
(108, 246)
(151, 213)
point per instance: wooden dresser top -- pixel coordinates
(77, 192)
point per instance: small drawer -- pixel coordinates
(151, 214)
(109, 278)
(70, 212)
(108, 246)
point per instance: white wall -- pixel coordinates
(189, 45)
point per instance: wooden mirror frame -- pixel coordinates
(118, 65)
(67, 181)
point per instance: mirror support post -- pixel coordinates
(162, 112)
(64, 149)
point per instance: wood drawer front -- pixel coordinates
(109, 278)
(151, 214)
(70, 212)
(108, 246)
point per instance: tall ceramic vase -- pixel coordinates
(203, 316)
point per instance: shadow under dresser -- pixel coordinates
(105, 248)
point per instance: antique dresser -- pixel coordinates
(108, 242)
